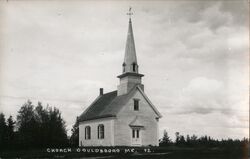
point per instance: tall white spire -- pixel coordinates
(130, 60)
(130, 76)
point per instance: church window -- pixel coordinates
(123, 67)
(87, 132)
(100, 132)
(136, 104)
(133, 133)
(134, 67)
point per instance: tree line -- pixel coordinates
(42, 127)
(35, 127)
(203, 141)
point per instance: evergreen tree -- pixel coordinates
(182, 141)
(165, 141)
(57, 129)
(42, 118)
(3, 131)
(74, 139)
(10, 132)
(39, 127)
(194, 140)
(177, 139)
(188, 140)
(27, 126)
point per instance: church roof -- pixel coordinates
(109, 104)
(106, 105)
(95, 110)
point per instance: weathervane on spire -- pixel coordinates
(130, 13)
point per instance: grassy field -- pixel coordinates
(130, 152)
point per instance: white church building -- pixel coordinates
(124, 117)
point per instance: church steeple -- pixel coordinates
(130, 75)
(130, 60)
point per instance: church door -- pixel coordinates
(136, 137)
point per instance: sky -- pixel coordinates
(194, 55)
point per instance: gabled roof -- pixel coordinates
(95, 110)
(106, 105)
(109, 105)
(149, 102)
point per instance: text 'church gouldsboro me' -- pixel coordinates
(124, 117)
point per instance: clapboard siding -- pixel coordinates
(94, 141)
(149, 133)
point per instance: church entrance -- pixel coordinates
(136, 137)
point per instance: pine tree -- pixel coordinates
(27, 126)
(182, 140)
(42, 118)
(74, 139)
(3, 131)
(10, 132)
(39, 127)
(188, 140)
(57, 129)
(177, 135)
(165, 141)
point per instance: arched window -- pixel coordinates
(87, 132)
(123, 66)
(134, 67)
(100, 131)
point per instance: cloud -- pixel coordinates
(194, 55)
(202, 95)
(212, 124)
(203, 85)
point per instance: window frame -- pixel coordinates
(138, 133)
(135, 133)
(100, 131)
(87, 132)
(123, 67)
(136, 104)
(134, 67)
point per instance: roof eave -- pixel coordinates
(151, 104)
(98, 117)
(131, 74)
